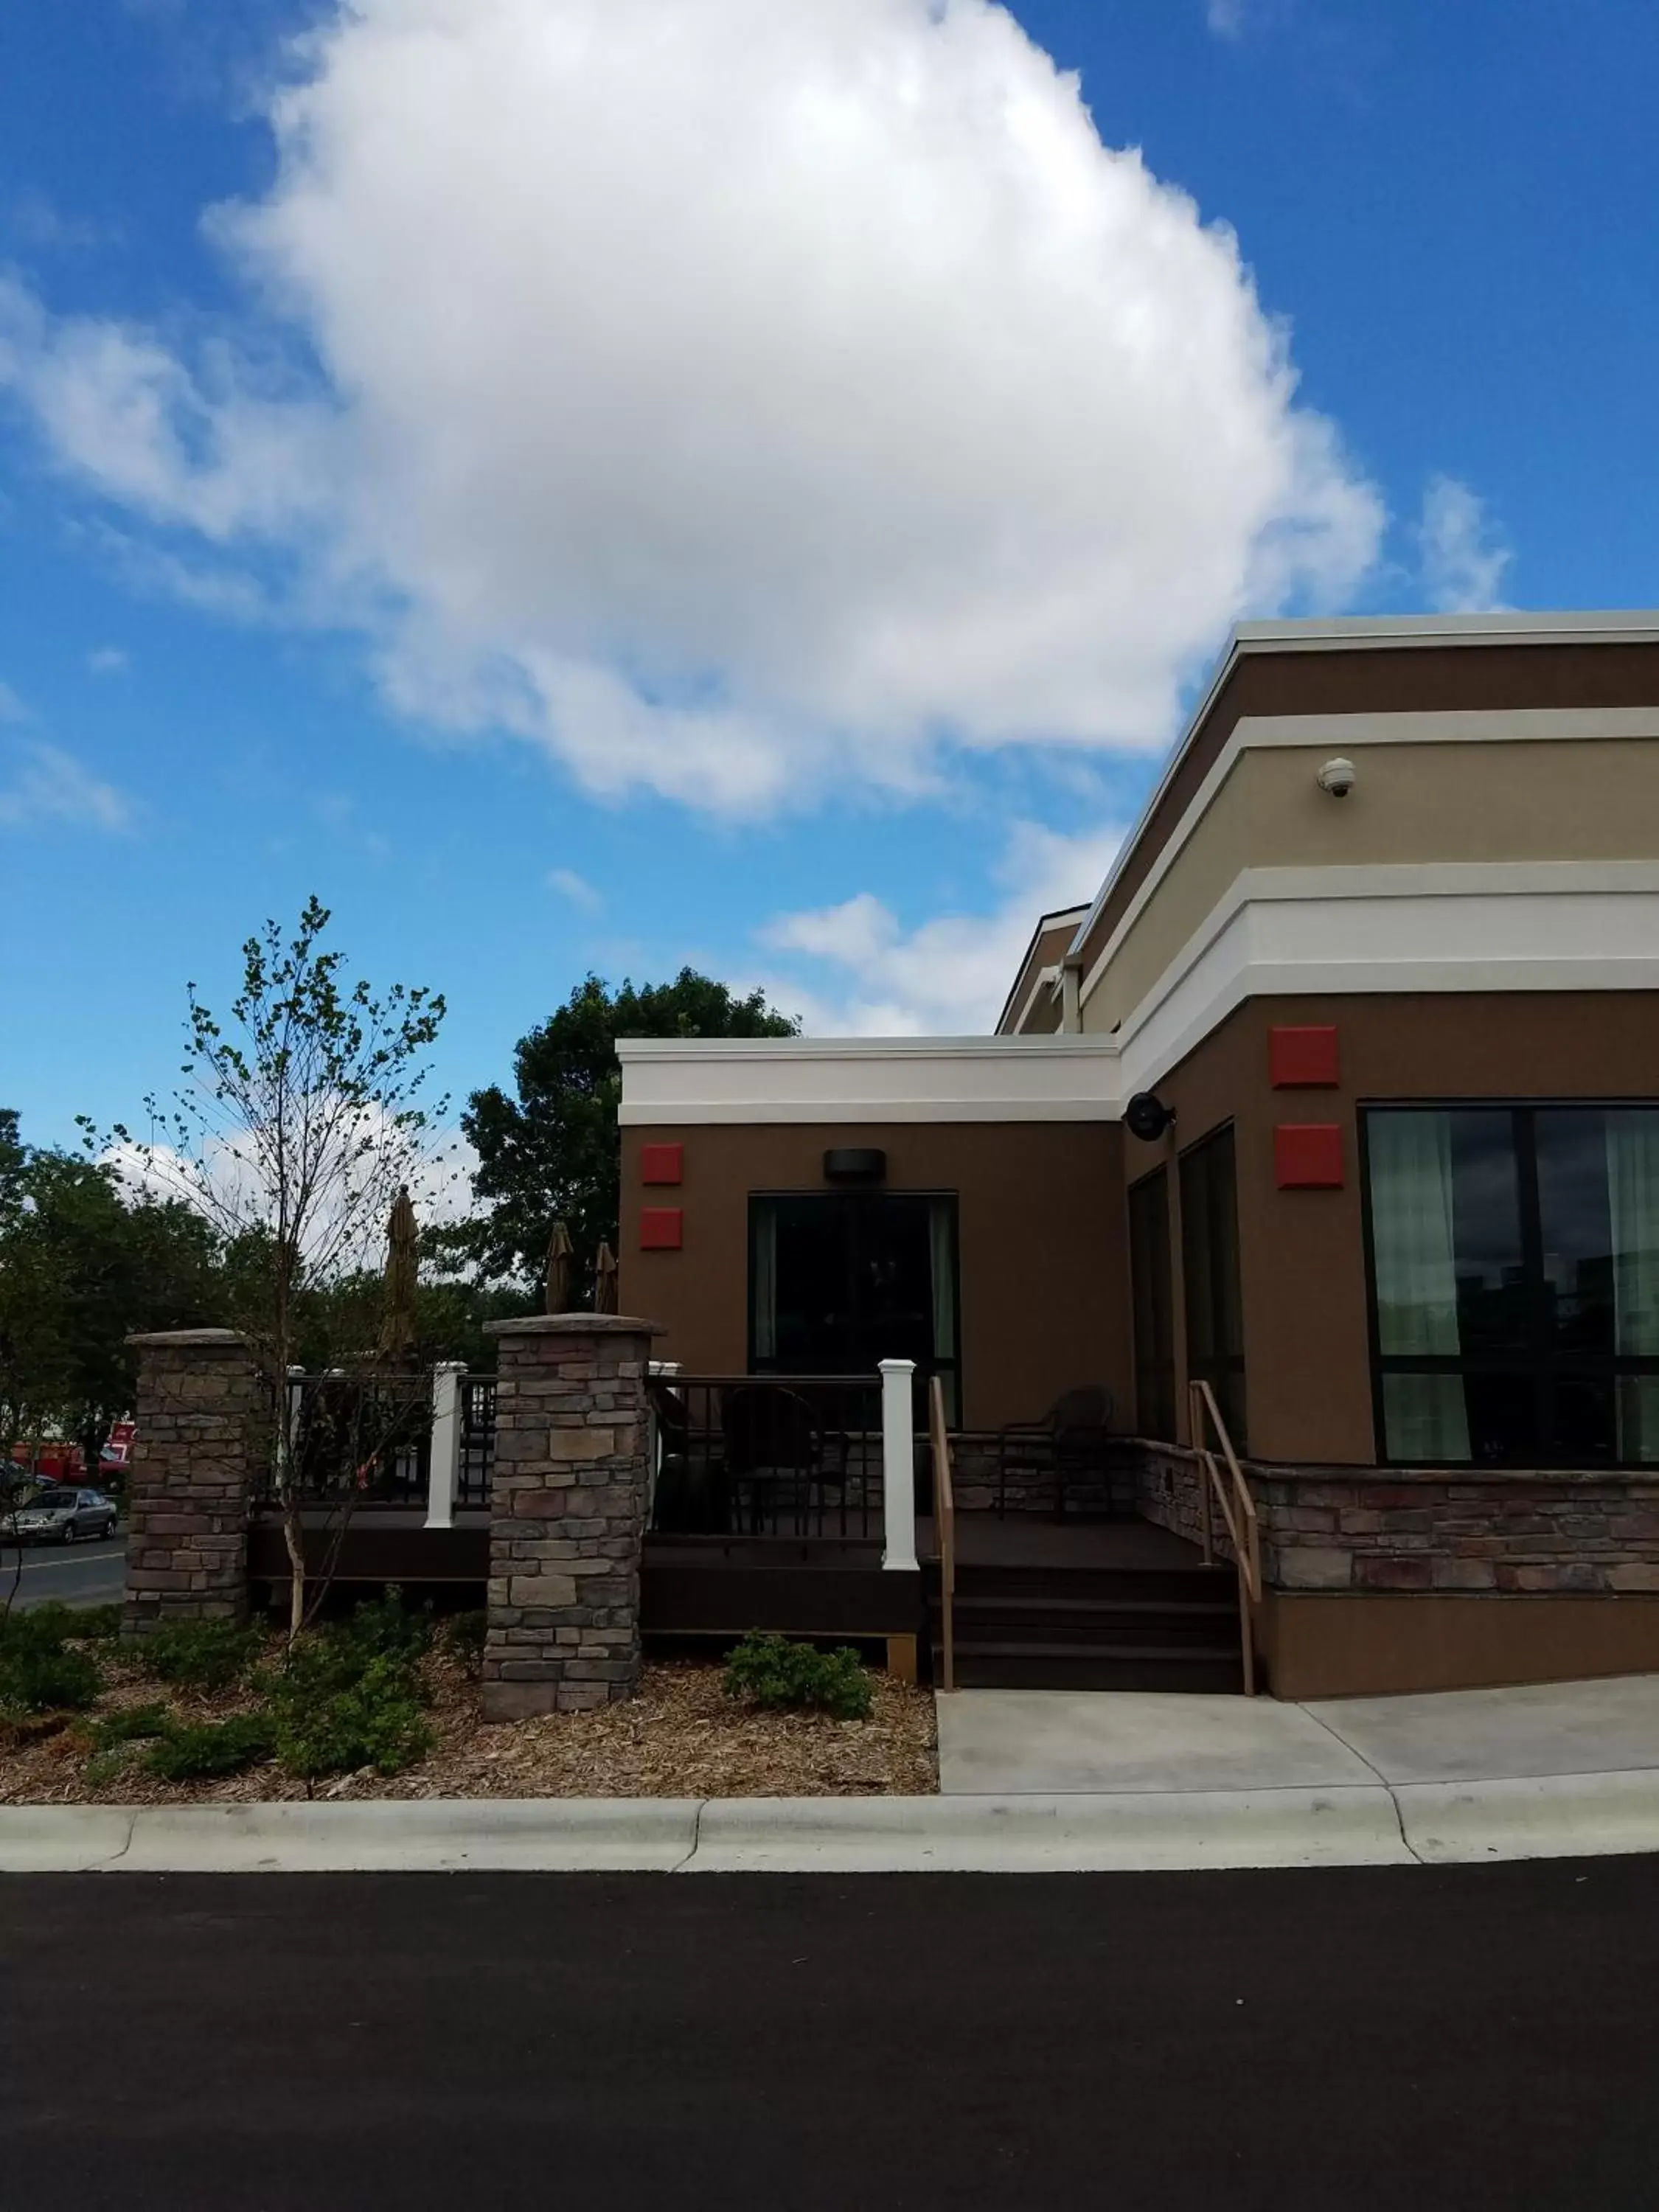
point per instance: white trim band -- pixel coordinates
(1440, 926)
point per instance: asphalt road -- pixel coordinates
(1434, 2038)
(75, 1574)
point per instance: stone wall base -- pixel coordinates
(1504, 1532)
(1111, 1491)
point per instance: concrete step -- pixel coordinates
(1101, 1585)
(1067, 1620)
(1046, 1666)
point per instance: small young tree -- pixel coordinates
(303, 1113)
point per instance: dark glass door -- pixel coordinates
(1153, 1305)
(839, 1281)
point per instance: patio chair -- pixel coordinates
(772, 1456)
(692, 1495)
(1069, 1440)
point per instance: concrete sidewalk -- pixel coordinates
(1048, 1742)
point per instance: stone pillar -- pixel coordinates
(197, 1422)
(568, 1506)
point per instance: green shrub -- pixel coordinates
(39, 1673)
(385, 1628)
(197, 1654)
(190, 1754)
(97, 1624)
(351, 1695)
(41, 1624)
(778, 1675)
(131, 1724)
(465, 1632)
(329, 1721)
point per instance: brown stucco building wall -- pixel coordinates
(1379, 678)
(1302, 1252)
(1041, 1245)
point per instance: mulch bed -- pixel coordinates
(681, 1737)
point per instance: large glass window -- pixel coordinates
(1515, 1283)
(1154, 1318)
(840, 1280)
(1209, 1256)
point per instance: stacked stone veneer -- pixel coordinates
(1110, 1488)
(1501, 1531)
(197, 1434)
(569, 1500)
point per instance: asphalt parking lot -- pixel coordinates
(76, 1574)
(1373, 2039)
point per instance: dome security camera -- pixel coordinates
(1338, 777)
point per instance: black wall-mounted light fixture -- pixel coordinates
(1148, 1117)
(854, 1164)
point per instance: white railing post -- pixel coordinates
(444, 1465)
(898, 1463)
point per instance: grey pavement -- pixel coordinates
(1494, 1735)
(76, 1574)
(1007, 1742)
(1462, 2039)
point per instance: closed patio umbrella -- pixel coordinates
(555, 1278)
(402, 1275)
(604, 1281)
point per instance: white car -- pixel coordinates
(64, 1513)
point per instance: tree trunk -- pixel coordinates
(94, 1434)
(294, 1537)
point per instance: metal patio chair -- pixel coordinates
(772, 1454)
(1069, 1440)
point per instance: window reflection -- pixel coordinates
(1515, 1283)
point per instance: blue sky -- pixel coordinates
(649, 482)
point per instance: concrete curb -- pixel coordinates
(62, 1839)
(392, 1835)
(1552, 1816)
(1556, 1816)
(1138, 1831)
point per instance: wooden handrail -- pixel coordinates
(945, 1517)
(1238, 1511)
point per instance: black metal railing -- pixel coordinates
(768, 1456)
(478, 1409)
(357, 1439)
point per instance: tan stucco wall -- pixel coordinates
(1577, 799)
(1307, 1354)
(1519, 675)
(1354, 1646)
(1040, 1223)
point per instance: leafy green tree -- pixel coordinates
(114, 1266)
(552, 1153)
(81, 1266)
(301, 1113)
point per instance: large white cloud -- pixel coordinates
(732, 395)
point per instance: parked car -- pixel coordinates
(64, 1513)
